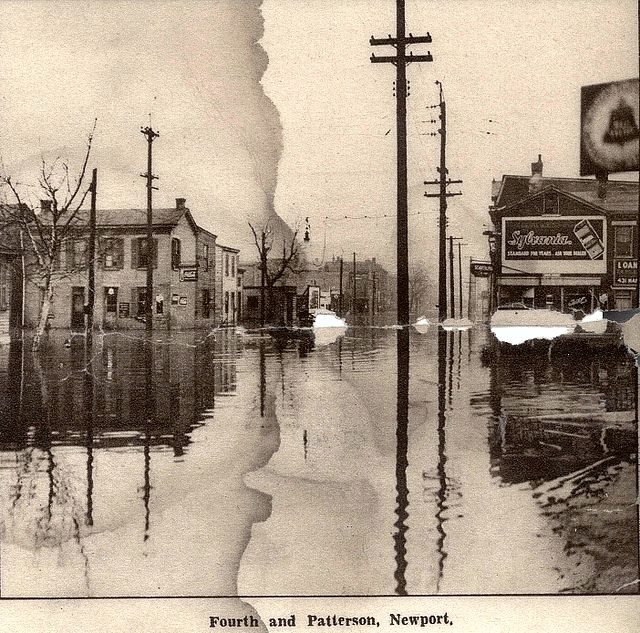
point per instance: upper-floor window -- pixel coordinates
(112, 252)
(233, 265)
(624, 242)
(226, 264)
(75, 254)
(140, 253)
(175, 253)
(204, 256)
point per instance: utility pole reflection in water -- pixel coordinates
(88, 397)
(442, 494)
(402, 492)
(263, 378)
(149, 418)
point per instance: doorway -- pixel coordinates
(77, 307)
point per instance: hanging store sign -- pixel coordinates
(481, 269)
(625, 272)
(188, 274)
(609, 128)
(569, 244)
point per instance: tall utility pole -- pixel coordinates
(460, 245)
(340, 299)
(148, 305)
(400, 60)
(91, 300)
(354, 302)
(443, 182)
(452, 285)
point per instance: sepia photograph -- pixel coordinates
(319, 313)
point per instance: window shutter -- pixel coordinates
(119, 252)
(155, 252)
(133, 309)
(135, 245)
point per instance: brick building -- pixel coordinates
(564, 243)
(184, 280)
(227, 275)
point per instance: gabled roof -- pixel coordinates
(545, 190)
(622, 195)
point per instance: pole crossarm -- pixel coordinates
(449, 194)
(393, 41)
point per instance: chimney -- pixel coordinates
(45, 206)
(181, 204)
(535, 182)
(602, 185)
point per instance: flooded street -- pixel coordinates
(247, 464)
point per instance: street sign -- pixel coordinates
(481, 269)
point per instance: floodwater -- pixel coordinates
(384, 462)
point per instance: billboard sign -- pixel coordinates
(625, 272)
(609, 128)
(568, 244)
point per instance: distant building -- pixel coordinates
(9, 280)
(564, 243)
(227, 284)
(184, 282)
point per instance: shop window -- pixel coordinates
(623, 246)
(111, 299)
(141, 300)
(175, 253)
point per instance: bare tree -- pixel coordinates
(418, 287)
(53, 226)
(272, 269)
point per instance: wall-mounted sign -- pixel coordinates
(569, 244)
(189, 274)
(182, 301)
(123, 309)
(174, 300)
(481, 269)
(609, 128)
(625, 272)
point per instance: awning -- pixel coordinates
(512, 280)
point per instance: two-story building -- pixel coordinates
(230, 296)
(564, 243)
(184, 272)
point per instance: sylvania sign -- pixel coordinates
(554, 245)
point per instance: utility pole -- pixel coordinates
(263, 274)
(340, 299)
(151, 135)
(443, 182)
(354, 302)
(401, 60)
(452, 285)
(91, 300)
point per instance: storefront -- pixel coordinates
(553, 260)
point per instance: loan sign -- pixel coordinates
(555, 245)
(626, 272)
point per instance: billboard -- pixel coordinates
(567, 244)
(609, 128)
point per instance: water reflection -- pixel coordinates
(385, 462)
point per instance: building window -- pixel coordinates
(140, 252)
(226, 264)
(206, 303)
(175, 253)
(204, 256)
(159, 304)
(4, 286)
(75, 254)
(113, 252)
(239, 304)
(624, 241)
(111, 299)
(141, 301)
(233, 265)
(226, 303)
